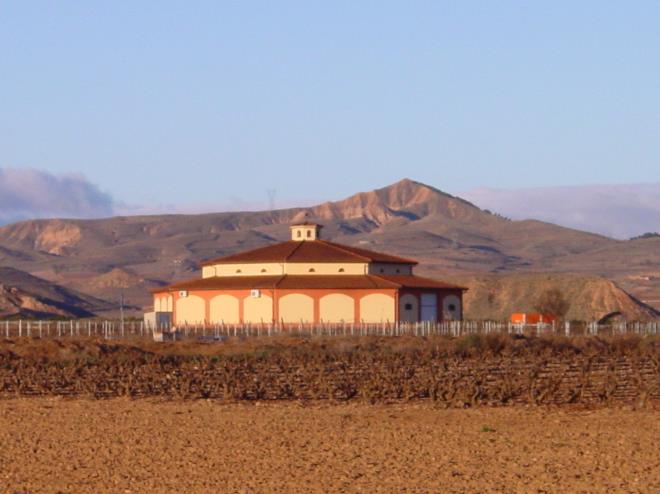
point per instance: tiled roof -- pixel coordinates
(308, 251)
(307, 282)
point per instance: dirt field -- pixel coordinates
(122, 446)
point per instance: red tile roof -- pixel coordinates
(308, 282)
(309, 251)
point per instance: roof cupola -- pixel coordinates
(306, 231)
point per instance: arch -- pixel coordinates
(296, 307)
(377, 307)
(337, 307)
(258, 309)
(408, 308)
(224, 308)
(451, 308)
(191, 310)
(611, 317)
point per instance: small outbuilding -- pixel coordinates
(307, 280)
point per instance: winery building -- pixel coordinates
(307, 280)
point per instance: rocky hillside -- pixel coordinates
(448, 235)
(590, 297)
(24, 295)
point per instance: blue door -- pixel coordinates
(429, 307)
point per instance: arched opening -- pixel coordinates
(451, 308)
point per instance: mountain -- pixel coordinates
(22, 294)
(448, 235)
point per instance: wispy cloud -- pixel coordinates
(29, 193)
(619, 211)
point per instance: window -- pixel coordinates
(239, 271)
(452, 307)
(263, 270)
(299, 234)
(407, 307)
(341, 270)
(382, 270)
(312, 270)
(309, 233)
(398, 271)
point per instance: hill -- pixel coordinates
(22, 294)
(591, 298)
(448, 235)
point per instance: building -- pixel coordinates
(307, 280)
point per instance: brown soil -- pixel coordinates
(122, 445)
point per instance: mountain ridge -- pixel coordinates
(447, 234)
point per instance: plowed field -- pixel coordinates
(120, 445)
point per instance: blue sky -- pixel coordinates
(212, 102)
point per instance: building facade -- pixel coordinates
(308, 280)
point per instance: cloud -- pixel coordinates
(619, 211)
(29, 193)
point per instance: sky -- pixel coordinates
(187, 103)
